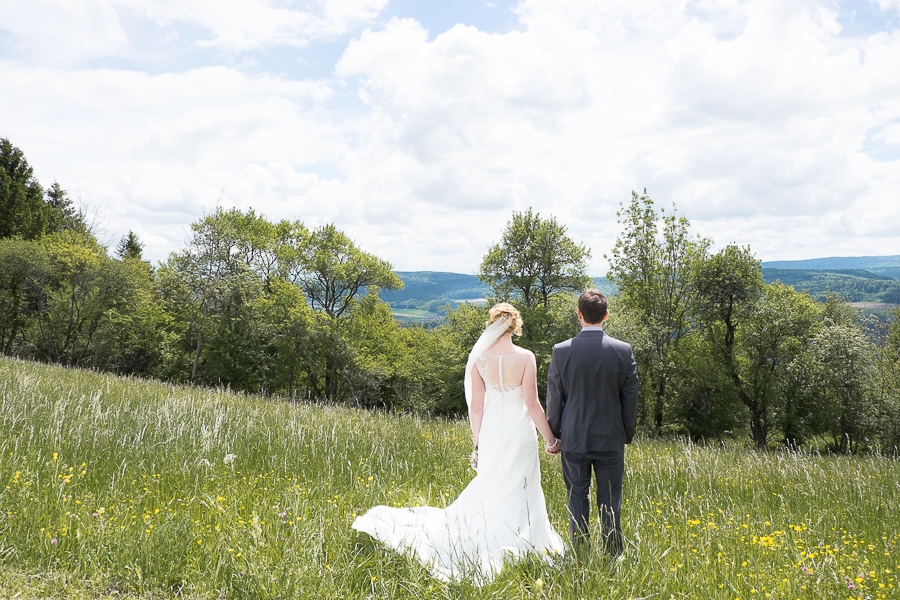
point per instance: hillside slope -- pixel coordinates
(425, 292)
(888, 266)
(116, 487)
(866, 279)
(853, 285)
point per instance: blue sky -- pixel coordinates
(419, 126)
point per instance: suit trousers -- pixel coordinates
(608, 468)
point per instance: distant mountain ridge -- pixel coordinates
(853, 285)
(421, 287)
(888, 266)
(873, 279)
(864, 279)
(428, 291)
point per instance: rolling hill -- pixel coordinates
(425, 292)
(888, 266)
(857, 279)
(853, 285)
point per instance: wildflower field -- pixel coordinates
(113, 488)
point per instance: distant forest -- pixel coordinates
(430, 293)
(874, 281)
(852, 285)
(889, 266)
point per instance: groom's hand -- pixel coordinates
(555, 449)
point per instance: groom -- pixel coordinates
(592, 390)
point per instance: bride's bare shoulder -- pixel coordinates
(524, 352)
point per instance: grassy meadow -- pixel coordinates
(113, 488)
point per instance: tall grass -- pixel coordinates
(114, 487)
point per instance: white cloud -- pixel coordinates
(155, 152)
(754, 111)
(760, 119)
(54, 32)
(889, 4)
(51, 32)
(251, 24)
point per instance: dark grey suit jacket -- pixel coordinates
(592, 391)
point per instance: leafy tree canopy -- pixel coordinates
(534, 262)
(24, 211)
(336, 271)
(130, 247)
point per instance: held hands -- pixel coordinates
(553, 448)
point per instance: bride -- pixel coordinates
(501, 514)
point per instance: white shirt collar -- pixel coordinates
(592, 328)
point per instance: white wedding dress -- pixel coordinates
(501, 515)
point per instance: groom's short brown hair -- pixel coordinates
(593, 306)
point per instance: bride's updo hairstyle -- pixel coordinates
(508, 311)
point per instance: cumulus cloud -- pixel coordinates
(748, 115)
(155, 152)
(252, 24)
(762, 120)
(889, 4)
(54, 32)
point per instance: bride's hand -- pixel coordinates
(553, 448)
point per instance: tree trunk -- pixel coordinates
(660, 403)
(759, 431)
(196, 358)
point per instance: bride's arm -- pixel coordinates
(476, 408)
(535, 410)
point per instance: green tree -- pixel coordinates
(544, 326)
(755, 334)
(889, 379)
(24, 269)
(335, 272)
(703, 400)
(83, 288)
(395, 367)
(237, 292)
(271, 250)
(196, 282)
(727, 287)
(137, 336)
(62, 214)
(236, 349)
(23, 211)
(230, 270)
(335, 275)
(130, 247)
(893, 339)
(290, 327)
(534, 262)
(842, 384)
(775, 336)
(651, 264)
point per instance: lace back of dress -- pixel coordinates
(491, 369)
